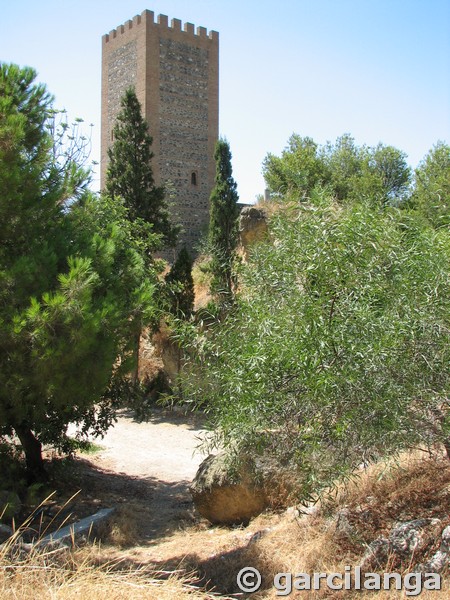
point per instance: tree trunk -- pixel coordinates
(137, 344)
(32, 448)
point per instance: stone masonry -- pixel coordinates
(175, 72)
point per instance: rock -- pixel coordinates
(440, 560)
(413, 536)
(255, 537)
(83, 528)
(405, 540)
(224, 498)
(376, 556)
(10, 504)
(292, 513)
(308, 509)
(343, 526)
(252, 227)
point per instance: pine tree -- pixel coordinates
(223, 224)
(74, 282)
(130, 174)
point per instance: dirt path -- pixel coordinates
(154, 462)
(164, 447)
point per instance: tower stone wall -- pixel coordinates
(175, 72)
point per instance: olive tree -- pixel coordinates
(337, 348)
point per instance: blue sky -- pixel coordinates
(377, 69)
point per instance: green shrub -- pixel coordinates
(337, 350)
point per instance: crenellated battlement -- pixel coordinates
(174, 68)
(147, 17)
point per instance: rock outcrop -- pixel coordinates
(405, 540)
(441, 559)
(252, 227)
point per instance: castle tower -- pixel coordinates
(175, 72)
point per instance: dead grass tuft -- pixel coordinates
(198, 558)
(281, 490)
(124, 530)
(65, 575)
(409, 488)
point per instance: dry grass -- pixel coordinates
(64, 575)
(150, 362)
(377, 498)
(199, 557)
(397, 595)
(414, 486)
(124, 529)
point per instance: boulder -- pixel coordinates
(227, 497)
(252, 227)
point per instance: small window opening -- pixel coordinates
(194, 178)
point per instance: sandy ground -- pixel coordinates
(164, 447)
(151, 464)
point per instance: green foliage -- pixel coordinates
(299, 169)
(181, 286)
(223, 224)
(379, 175)
(431, 195)
(130, 174)
(71, 150)
(389, 173)
(344, 162)
(12, 470)
(75, 282)
(201, 272)
(87, 447)
(336, 351)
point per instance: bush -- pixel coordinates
(336, 351)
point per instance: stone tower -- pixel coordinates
(175, 72)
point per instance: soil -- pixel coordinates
(165, 447)
(156, 461)
(143, 470)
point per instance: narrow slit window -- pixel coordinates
(194, 178)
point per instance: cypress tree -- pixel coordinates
(130, 174)
(181, 288)
(223, 224)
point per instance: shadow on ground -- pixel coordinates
(150, 508)
(164, 415)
